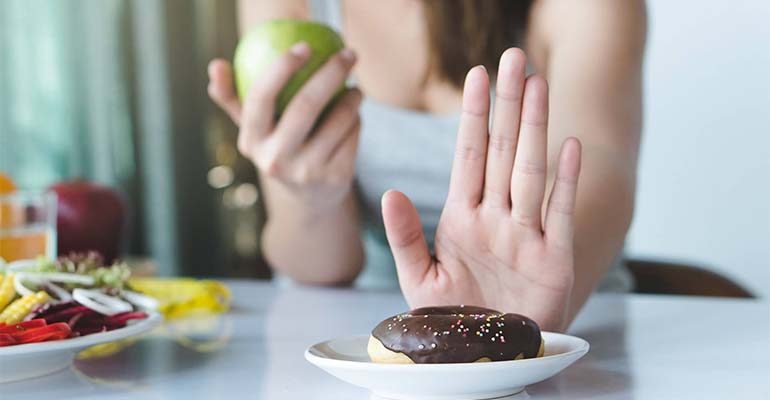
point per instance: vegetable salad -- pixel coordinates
(43, 300)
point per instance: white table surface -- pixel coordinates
(642, 347)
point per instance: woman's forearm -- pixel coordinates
(603, 214)
(309, 245)
(594, 68)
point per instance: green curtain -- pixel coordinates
(65, 108)
(114, 91)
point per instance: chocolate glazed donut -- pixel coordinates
(454, 334)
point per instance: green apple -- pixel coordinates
(266, 42)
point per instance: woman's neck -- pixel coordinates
(392, 45)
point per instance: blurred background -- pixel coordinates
(114, 91)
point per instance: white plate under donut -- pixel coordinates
(347, 359)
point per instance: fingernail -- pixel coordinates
(476, 74)
(348, 55)
(300, 49)
(479, 69)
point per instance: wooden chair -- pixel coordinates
(656, 277)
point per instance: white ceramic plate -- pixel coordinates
(346, 358)
(37, 359)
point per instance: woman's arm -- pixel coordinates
(252, 12)
(312, 246)
(310, 240)
(591, 53)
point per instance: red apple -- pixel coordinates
(89, 217)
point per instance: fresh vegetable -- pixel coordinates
(6, 340)
(49, 332)
(77, 279)
(70, 296)
(18, 286)
(88, 267)
(79, 295)
(93, 323)
(20, 308)
(100, 302)
(83, 320)
(180, 297)
(32, 332)
(35, 323)
(6, 289)
(59, 292)
(140, 300)
(114, 276)
(40, 278)
(75, 263)
(80, 277)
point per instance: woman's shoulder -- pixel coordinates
(577, 13)
(560, 23)
(251, 12)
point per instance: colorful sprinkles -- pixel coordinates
(478, 331)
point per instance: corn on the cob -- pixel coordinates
(7, 292)
(19, 309)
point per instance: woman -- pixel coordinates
(505, 227)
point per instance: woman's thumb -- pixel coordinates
(405, 236)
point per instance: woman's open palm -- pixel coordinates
(493, 247)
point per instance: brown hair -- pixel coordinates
(466, 33)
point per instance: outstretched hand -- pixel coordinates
(493, 246)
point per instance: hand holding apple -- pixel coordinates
(294, 69)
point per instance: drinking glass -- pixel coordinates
(27, 225)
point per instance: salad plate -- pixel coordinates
(347, 359)
(51, 309)
(38, 359)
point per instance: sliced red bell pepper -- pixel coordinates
(23, 326)
(36, 339)
(6, 340)
(59, 330)
(122, 318)
(43, 337)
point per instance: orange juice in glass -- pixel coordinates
(27, 225)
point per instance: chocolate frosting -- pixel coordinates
(458, 334)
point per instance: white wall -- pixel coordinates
(704, 180)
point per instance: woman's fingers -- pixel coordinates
(333, 129)
(505, 128)
(305, 107)
(467, 178)
(341, 166)
(559, 223)
(259, 106)
(221, 89)
(406, 239)
(529, 168)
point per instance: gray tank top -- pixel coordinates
(412, 152)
